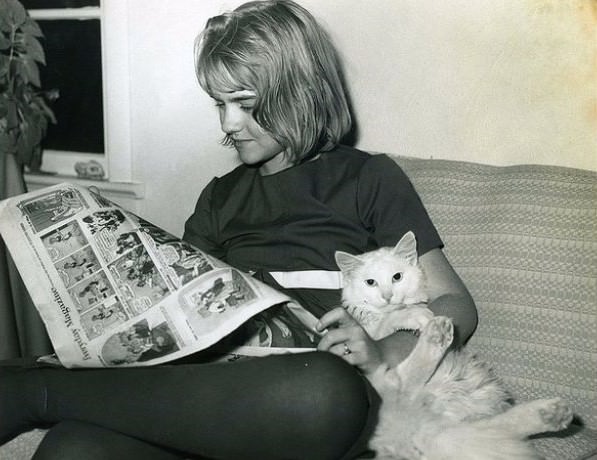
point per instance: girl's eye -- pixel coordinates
(397, 276)
(246, 108)
(371, 282)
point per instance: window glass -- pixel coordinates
(74, 68)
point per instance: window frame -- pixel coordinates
(117, 157)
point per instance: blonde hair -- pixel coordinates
(277, 49)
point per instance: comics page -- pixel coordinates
(115, 290)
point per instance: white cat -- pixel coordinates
(384, 289)
(436, 405)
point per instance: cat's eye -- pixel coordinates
(371, 282)
(397, 276)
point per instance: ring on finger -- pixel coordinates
(347, 351)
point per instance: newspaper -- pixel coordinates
(115, 290)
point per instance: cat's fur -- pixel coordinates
(448, 406)
(384, 289)
(439, 404)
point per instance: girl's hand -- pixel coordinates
(347, 339)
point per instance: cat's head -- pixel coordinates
(383, 277)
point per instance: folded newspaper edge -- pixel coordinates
(115, 290)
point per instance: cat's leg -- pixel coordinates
(533, 417)
(399, 387)
(421, 363)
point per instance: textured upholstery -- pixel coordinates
(524, 240)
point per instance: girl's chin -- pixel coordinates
(250, 160)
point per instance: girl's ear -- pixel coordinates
(406, 248)
(346, 262)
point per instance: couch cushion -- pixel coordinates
(524, 240)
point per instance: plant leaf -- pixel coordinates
(31, 71)
(4, 65)
(3, 110)
(4, 42)
(5, 25)
(12, 117)
(24, 146)
(34, 49)
(45, 109)
(35, 132)
(32, 28)
(15, 14)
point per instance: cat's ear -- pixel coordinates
(406, 248)
(346, 262)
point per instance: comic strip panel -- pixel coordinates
(103, 317)
(112, 232)
(63, 241)
(157, 234)
(140, 283)
(139, 343)
(53, 207)
(77, 266)
(184, 262)
(218, 292)
(92, 291)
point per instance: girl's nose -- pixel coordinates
(231, 120)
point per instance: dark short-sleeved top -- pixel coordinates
(296, 219)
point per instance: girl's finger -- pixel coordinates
(333, 337)
(338, 316)
(345, 351)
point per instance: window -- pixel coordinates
(90, 37)
(74, 67)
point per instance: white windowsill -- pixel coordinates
(127, 190)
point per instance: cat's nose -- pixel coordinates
(387, 296)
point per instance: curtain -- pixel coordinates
(22, 332)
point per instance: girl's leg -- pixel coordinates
(311, 405)
(82, 441)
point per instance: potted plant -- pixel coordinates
(24, 109)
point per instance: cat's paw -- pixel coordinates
(439, 331)
(555, 414)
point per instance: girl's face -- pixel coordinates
(253, 144)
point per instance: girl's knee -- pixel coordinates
(343, 404)
(337, 380)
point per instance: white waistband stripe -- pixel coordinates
(310, 279)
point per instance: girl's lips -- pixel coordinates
(241, 143)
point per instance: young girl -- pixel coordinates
(298, 196)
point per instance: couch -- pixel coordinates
(524, 240)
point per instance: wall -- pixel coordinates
(494, 82)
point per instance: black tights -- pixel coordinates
(310, 406)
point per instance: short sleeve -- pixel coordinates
(389, 205)
(201, 228)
